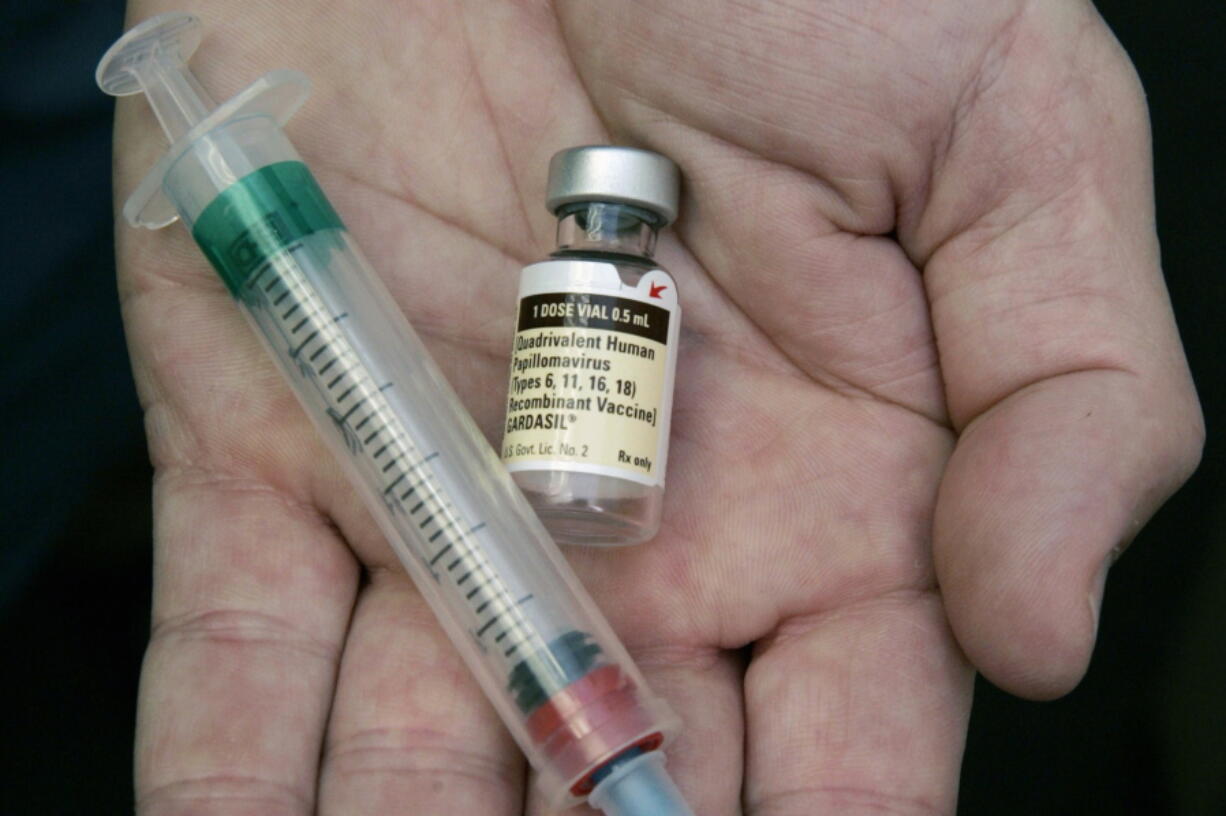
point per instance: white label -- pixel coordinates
(592, 371)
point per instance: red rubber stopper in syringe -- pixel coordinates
(590, 723)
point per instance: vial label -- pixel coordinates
(592, 371)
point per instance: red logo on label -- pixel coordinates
(656, 289)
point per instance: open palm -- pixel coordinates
(929, 387)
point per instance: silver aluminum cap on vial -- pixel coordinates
(623, 175)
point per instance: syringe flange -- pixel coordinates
(152, 58)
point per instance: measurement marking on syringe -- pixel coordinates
(486, 580)
(516, 622)
(450, 523)
(443, 551)
(413, 489)
(486, 603)
(415, 492)
(355, 407)
(415, 467)
(311, 337)
(441, 528)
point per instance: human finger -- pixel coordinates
(252, 593)
(1063, 368)
(410, 724)
(860, 709)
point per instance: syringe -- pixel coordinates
(543, 654)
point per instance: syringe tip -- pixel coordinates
(173, 33)
(640, 787)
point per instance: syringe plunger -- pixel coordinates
(153, 59)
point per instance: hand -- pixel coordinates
(930, 386)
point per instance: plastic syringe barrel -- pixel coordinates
(542, 652)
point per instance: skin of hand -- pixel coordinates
(930, 386)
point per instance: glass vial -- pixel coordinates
(594, 357)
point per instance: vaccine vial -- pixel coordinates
(595, 351)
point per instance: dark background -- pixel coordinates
(1144, 734)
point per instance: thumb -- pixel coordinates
(1063, 368)
(1040, 496)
